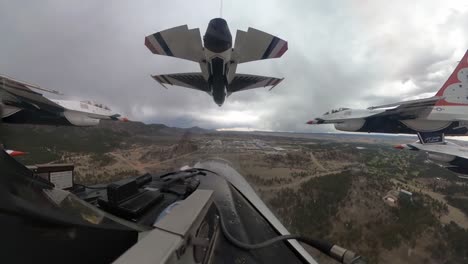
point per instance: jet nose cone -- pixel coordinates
(311, 122)
(218, 20)
(15, 153)
(399, 146)
(219, 100)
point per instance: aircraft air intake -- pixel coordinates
(350, 125)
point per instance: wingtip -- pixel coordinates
(56, 92)
(277, 82)
(282, 50)
(156, 78)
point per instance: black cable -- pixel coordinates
(201, 169)
(182, 177)
(340, 254)
(323, 246)
(188, 170)
(167, 174)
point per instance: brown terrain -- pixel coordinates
(320, 186)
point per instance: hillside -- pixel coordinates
(328, 186)
(48, 143)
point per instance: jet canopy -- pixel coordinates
(336, 110)
(96, 104)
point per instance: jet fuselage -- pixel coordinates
(439, 120)
(443, 113)
(218, 50)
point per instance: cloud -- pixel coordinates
(341, 53)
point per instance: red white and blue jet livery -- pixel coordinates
(217, 57)
(23, 103)
(445, 113)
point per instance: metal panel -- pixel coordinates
(183, 216)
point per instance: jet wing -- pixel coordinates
(443, 148)
(408, 109)
(435, 143)
(23, 95)
(179, 42)
(242, 82)
(416, 108)
(193, 80)
(257, 45)
(452, 156)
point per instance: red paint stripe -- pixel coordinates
(269, 82)
(282, 50)
(452, 80)
(277, 81)
(150, 46)
(442, 102)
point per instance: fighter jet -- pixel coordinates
(446, 112)
(448, 154)
(22, 103)
(217, 57)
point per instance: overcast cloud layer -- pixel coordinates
(341, 54)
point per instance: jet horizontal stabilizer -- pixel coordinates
(242, 82)
(193, 80)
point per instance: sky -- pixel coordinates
(353, 53)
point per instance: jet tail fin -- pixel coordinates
(431, 138)
(455, 89)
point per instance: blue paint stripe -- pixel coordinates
(270, 48)
(163, 44)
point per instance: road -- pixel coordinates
(126, 161)
(296, 183)
(316, 162)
